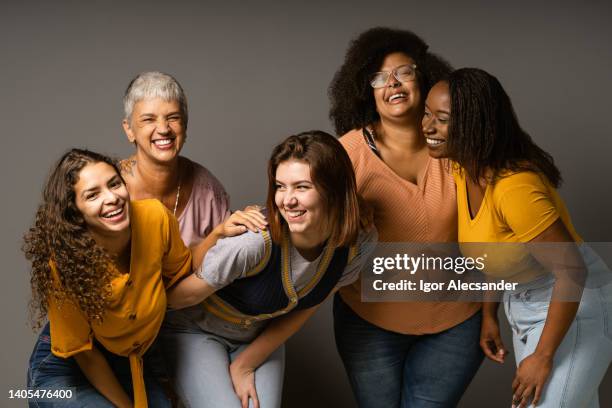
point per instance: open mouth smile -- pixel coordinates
(434, 142)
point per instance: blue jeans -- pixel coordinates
(388, 369)
(47, 371)
(584, 355)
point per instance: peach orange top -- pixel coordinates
(406, 212)
(138, 300)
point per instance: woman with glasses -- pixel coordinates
(399, 354)
(260, 288)
(506, 192)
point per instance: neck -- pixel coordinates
(309, 248)
(158, 179)
(400, 136)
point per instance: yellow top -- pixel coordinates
(138, 301)
(515, 209)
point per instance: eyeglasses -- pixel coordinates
(403, 73)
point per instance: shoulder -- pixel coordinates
(249, 243)
(527, 181)
(203, 179)
(352, 141)
(148, 215)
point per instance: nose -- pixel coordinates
(109, 196)
(289, 200)
(392, 81)
(163, 127)
(426, 123)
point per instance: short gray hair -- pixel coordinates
(154, 84)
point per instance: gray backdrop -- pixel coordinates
(255, 73)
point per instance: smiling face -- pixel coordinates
(435, 119)
(300, 204)
(157, 128)
(397, 99)
(103, 200)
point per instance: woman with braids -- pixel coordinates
(506, 192)
(100, 266)
(399, 354)
(260, 288)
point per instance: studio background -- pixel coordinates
(256, 72)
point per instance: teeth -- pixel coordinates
(399, 95)
(113, 213)
(162, 142)
(295, 213)
(434, 142)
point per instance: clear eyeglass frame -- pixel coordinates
(403, 73)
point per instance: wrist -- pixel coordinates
(544, 353)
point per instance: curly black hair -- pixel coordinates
(60, 235)
(351, 97)
(484, 132)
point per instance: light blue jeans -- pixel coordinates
(198, 362)
(582, 359)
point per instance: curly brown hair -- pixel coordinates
(60, 236)
(350, 94)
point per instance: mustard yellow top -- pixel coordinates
(138, 301)
(515, 209)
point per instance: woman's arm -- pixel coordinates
(490, 338)
(194, 289)
(570, 275)
(242, 369)
(98, 372)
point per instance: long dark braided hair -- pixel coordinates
(484, 132)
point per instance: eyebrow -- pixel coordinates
(297, 182)
(178, 112)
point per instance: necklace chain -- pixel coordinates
(178, 194)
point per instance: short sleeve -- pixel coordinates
(366, 243)
(231, 258)
(211, 198)
(176, 261)
(527, 207)
(70, 330)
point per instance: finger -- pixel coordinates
(516, 396)
(256, 213)
(254, 398)
(244, 400)
(233, 230)
(248, 220)
(485, 345)
(239, 219)
(501, 350)
(538, 394)
(515, 384)
(526, 396)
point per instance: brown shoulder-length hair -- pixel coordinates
(60, 235)
(333, 176)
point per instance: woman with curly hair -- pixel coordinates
(506, 192)
(426, 353)
(260, 288)
(100, 266)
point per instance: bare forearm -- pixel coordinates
(558, 321)
(199, 251)
(277, 333)
(188, 292)
(95, 367)
(489, 309)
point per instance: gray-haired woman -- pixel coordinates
(155, 122)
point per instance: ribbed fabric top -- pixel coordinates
(406, 212)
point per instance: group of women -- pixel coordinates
(426, 154)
